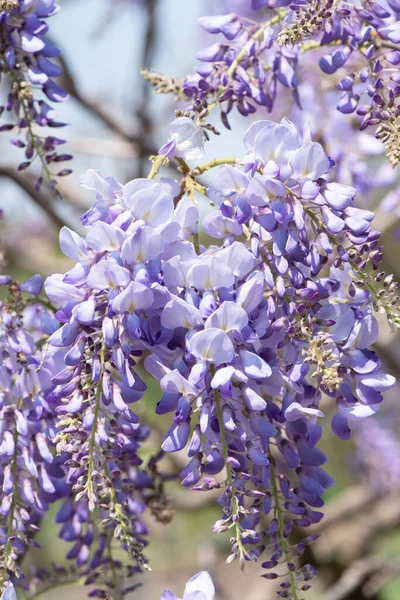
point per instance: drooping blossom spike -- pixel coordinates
(245, 337)
(27, 63)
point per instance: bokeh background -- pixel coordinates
(115, 123)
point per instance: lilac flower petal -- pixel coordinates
(212, 345)
(72, 244)
(167, 595)
(102, 237)
(145, 244)
(228, 317)
(188, 138)
(357, 411)
(201, 582)
(310, 162)
(378, 381)
(60, 293)
(238, 258)
(339, 196)
(296, 411)
(9, 593)
(33, 285)
(222, 377)
(176, 437)
(107, 274)
(253, 400)
(84, 312)
(254, 366)
(178, 313)
(31, 43)
(134, 297)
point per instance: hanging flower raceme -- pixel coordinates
(257, 325)
(245, 339)
(31, 475)
(25, 59)
(254, 59)
(108, 305)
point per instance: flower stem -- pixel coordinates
(235, 511)
(28, 120)
(183, 164)
(92, 442)
(229, 160)
(38, 150)
(387, 308)
(157, 164)
(244, 51)
(281, 525)
(10, 529)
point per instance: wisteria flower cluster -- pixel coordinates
(245, 337)
(25, 60)
(356, 43)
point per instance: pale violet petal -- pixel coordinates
(295, 411)
(201, 582)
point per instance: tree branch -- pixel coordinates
(346, 504)
(27, 185)
(68, 83)
(358, 573)
(143, 112)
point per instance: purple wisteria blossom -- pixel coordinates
(31, 475)
(186, 140)
(257, 343)
(245, 338)
(26, 61)
(253, 61)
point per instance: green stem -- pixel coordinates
(244, 51)
(196, 243)
(37, 148)
(183, 164)
(225, 453)
(281, 525)
(355, 268)
(10, 529)
(157, 164)
(35, 145)
(114, 575)
(229, 160)
(92, 441)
